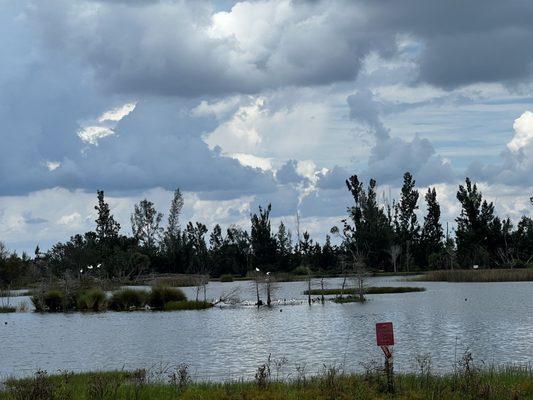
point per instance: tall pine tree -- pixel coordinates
(431, 238)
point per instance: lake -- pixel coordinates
(492, 320)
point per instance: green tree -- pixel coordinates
(262, 241)
(432, 236)
(145, 224)
(367, 232)
(406, 224)
(172, 236)
(197, 253)
(106, 226)
(284, 247)
(473, 226)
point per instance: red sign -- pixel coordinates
(384, 334)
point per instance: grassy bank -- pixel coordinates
(482, 275)
(469, 384)
(369, 290)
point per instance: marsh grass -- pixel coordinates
(466, 383)
(369, 290)
(128, 299)
(7, 309)
(161, 295)
(482, 275)
(91, 300)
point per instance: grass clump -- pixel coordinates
(51, 301)
(128, 299)
(161, 295)
(91, 300)
(187, 305)
(7, 309)
(482, 275)
(369, 290)
(226, 278)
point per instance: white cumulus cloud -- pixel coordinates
(523, 127)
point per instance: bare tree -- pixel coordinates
(230, 297)
(358, 261)
(394, 252)
(270, 286)
(344, 273)
(322, 284)
(309, 281)
(257, 279)
(201, 281)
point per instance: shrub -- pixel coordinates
(92, 300)
(226, 278)
(7, 309)
(54, 301)
(127, 299)
(187, 305)
(160, 295)
(38, 302)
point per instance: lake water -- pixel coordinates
(492, 320)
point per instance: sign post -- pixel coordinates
(384, 339)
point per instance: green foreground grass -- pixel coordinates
(491, 384)
(369, 290)
(482, 275)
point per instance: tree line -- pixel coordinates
(384, 237)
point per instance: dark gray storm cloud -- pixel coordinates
(176, 48)
(288, 173)
(465, 42)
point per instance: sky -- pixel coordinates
(241, 104)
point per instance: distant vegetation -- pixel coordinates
(490, 275)
(466, 383)
(376, 236)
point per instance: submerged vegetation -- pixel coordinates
(484, 275)
(466, 383)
